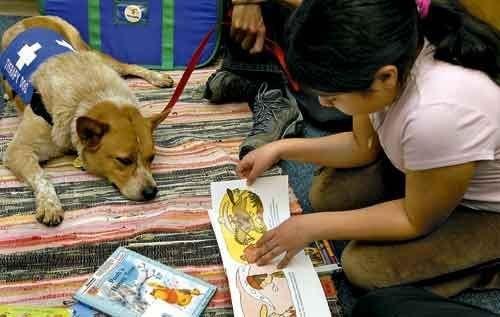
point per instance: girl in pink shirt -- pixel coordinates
(421, 81)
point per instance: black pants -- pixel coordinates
(412, 302)
(264, 67)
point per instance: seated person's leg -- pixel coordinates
(242, 73)
(447, 261)
(258, 80)
(412, 302)
(353, 188)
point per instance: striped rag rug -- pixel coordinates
(196, 145)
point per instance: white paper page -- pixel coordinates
(240, 216)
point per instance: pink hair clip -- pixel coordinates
(423, 7)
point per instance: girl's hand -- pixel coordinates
(258, 161)
(247, 27)
(290, 237)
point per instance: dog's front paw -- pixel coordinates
(49, 213)
(162, 80)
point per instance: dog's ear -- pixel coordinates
(91, 131)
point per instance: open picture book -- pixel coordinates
(240, 216)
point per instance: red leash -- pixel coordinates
(278, 52)
(185, 76)
(269, 45)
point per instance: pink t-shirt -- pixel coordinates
(447, 115)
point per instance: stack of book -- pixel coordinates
(323, 258)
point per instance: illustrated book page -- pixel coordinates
(240, 216)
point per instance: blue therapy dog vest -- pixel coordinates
(25, 54)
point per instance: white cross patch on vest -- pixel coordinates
(26, 55)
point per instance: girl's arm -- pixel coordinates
(431, 196)
(344, 150)
(350, 149)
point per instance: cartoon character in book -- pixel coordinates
(290, 312)
(264, 292)
(180, 297)
(242, 222)
(260, 281)
(127, 296)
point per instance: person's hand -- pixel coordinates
(247, 27)
(290, 237)
(258, 161)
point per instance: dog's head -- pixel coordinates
(118, 145)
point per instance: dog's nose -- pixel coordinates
(149, 192)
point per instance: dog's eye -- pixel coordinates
(125, 160)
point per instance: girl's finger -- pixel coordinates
(269, 256)
(264, 245)
(253, 174)
(288, 257)
(268, 236)
(243, 168)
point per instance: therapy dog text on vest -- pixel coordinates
(25, 54)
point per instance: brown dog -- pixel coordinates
(93, 112)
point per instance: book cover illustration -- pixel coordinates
(26, 311)
(81, 310)
(241, 215)
(129, 284)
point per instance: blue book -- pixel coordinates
(131, 285)
(81, 310)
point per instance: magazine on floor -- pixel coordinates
(131, 285)
(240, 216)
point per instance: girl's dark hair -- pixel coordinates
(338, 45)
